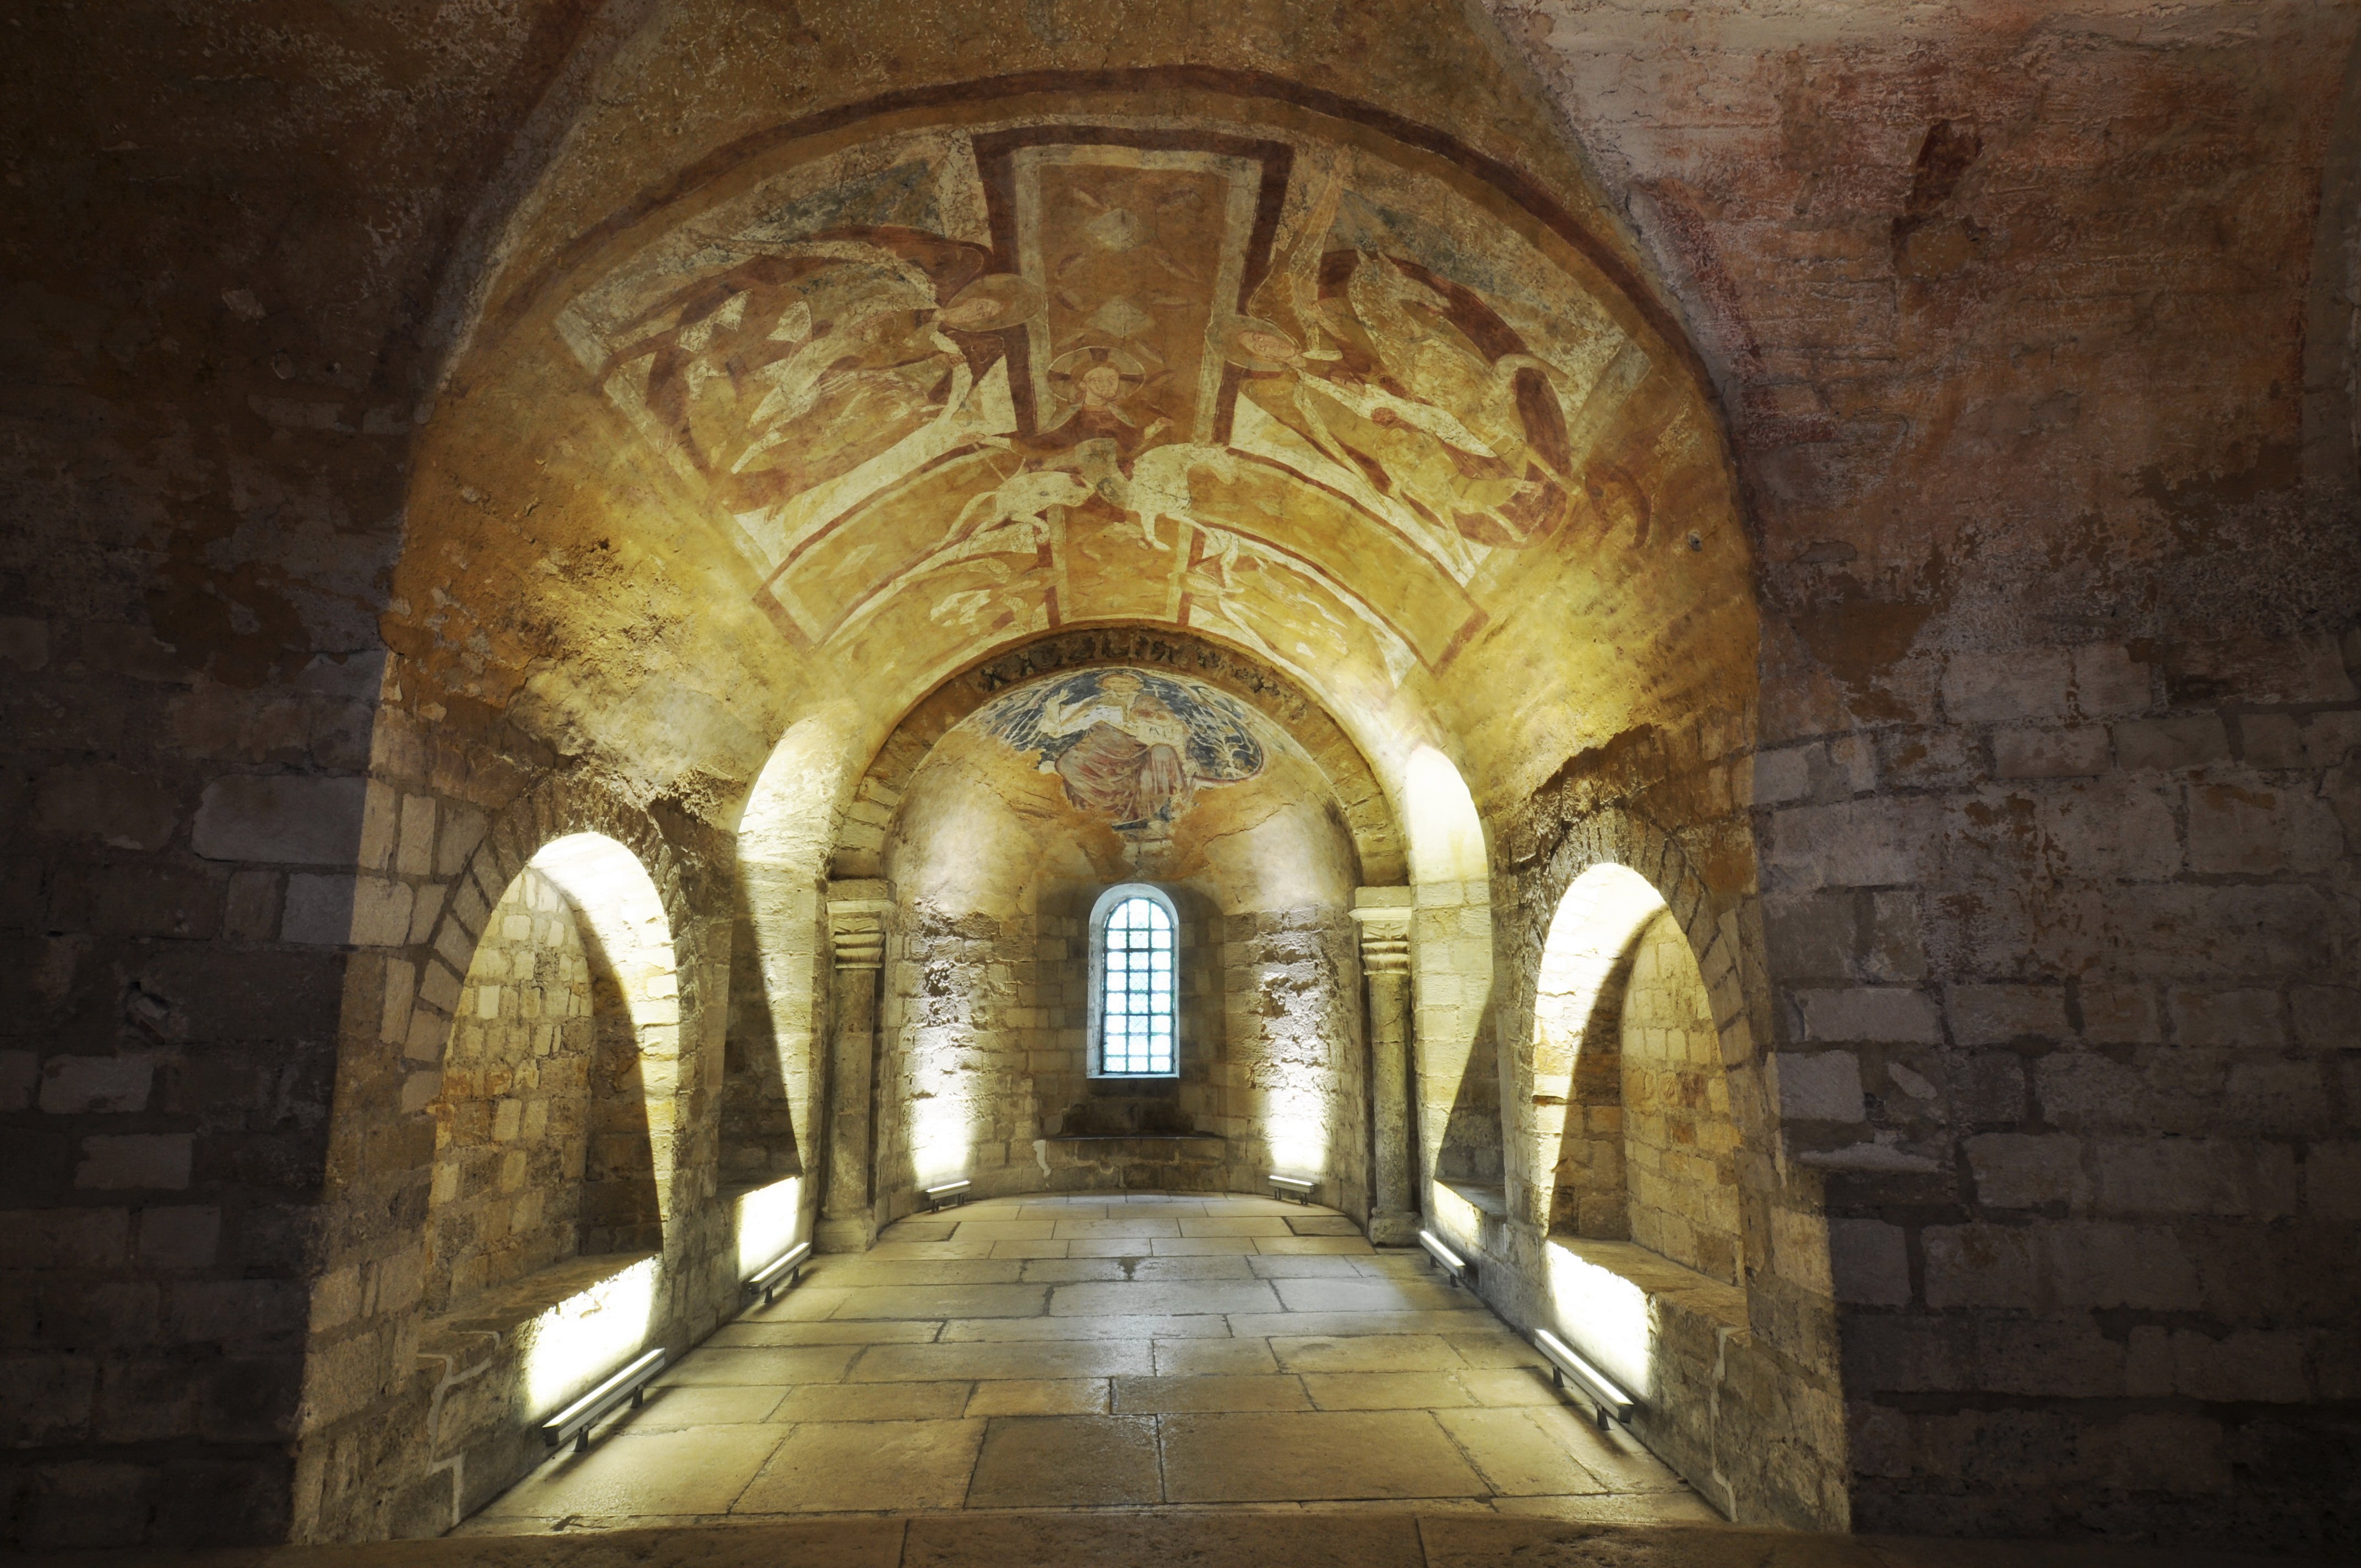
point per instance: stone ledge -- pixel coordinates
(482, 1393)
(473, 1334)
(1673, 1338)
(1661, 1280)
(1142, 1143)
(1183, 1161)
(1487, 1197)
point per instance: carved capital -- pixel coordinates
(1385, 934)
(856, 931)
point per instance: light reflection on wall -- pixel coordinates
(610, 889)
(1446, 837)
(942, 1114)
(1594, 927)
(1295, 1101)
(770, 1220)
(1605, 1317)
(569, 1347)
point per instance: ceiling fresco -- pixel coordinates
(1129, 745)
(986, 379)
(1118, 771)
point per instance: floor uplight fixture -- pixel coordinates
(1459, 1270)
(1603, 1395)
(576, 1419)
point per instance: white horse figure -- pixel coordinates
(1025, 496)
(1158, 488)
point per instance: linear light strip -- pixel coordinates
(1609, 1399)
(576, 1419)
(790, 1261)
(1461, 1271)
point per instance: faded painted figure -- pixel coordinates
(1130, 746)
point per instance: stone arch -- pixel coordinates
(1707, 924)
(1646, 1151)
(567, 1014)
(1370, 815)
(392, 1450)
(972, 1079)
(620, 877)
(1757, 1422)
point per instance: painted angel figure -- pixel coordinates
(1410, 380)
(790, 370)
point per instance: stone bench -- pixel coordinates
(1190, 1162)
(1677, 1341)
(489, 1373)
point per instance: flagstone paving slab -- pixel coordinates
(1175, 1354)
(1064, 1462)
(866, 1467)
(1291, 1457)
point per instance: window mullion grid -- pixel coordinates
(1137, 1037)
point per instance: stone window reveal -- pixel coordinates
(1134, 1019)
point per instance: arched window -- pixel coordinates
(1135, 1013)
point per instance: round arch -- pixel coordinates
(613, 867)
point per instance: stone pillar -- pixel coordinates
(1383, 914)
(856, 926)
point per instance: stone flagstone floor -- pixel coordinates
(1108, 1352)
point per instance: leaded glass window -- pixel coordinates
(1137, 1012)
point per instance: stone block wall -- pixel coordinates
(983, 1039)
(367, 1460)
(1455, 1061)
(778, 1008)
(511, 1124)
(2058, 668)
(2106, 1064)
(953, 1094)
(175, 915)
(1680, 1144)
(1297, 1059)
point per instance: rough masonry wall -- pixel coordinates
(216, 314)
(2009, 310)
(1298, 1063)
(511, 1126)
(1680, 1147)
(954, 1097)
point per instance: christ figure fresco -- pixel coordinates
(1127, 745)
